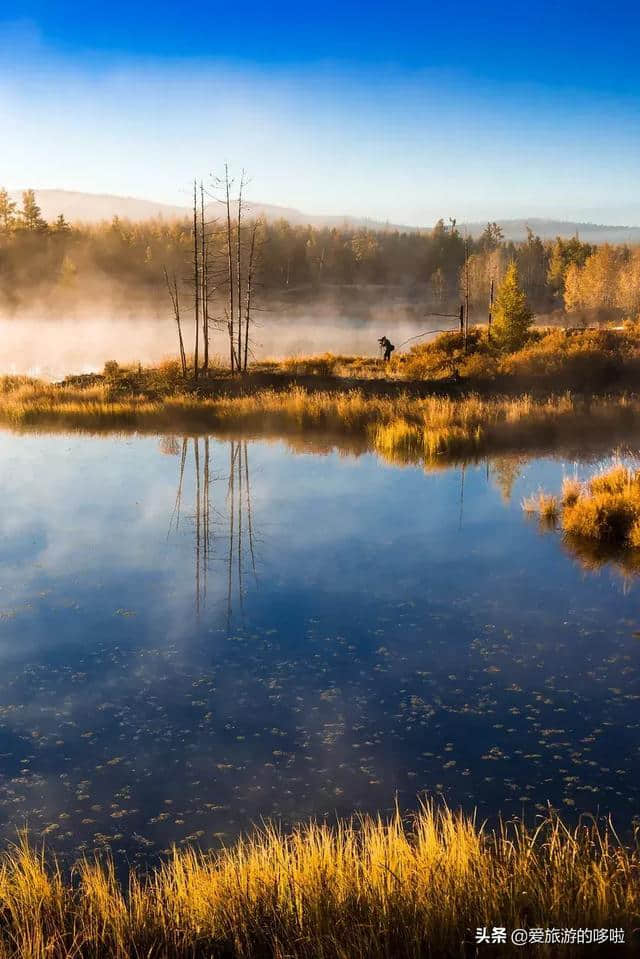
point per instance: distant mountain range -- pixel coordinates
(549, 229)
(94, 207)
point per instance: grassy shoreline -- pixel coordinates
(443, 398)
(406, 888)
(400, 428)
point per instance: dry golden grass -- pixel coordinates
(328, 364)
(554, 359)
(618, 479)
(577, 359)
(605, 511)
(471, 426)
(604, 517)
(403, 888)
(571, 490)
(401, 428)
(544, 506)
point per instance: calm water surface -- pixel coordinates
(198, 634)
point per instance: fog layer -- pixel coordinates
(37, 344)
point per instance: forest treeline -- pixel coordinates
(58, 262)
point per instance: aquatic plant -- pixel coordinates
(571, 490)
(605, 510)
(605, 517)
(543, 505)
(407, 887)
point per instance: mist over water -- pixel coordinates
(37, 344)
(51, 349)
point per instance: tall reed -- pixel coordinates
(406, 887)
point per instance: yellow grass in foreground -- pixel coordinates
(403, 888)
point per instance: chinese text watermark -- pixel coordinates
(497, 935)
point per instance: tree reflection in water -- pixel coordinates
(234, 525)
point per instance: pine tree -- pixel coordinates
(491, 238)
(511, 314)
(31, 213)
(7, 212)
(61, 225)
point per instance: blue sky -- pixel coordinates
(402, 111)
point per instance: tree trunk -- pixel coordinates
(205, 284)
(490, 310)
(239, 270)
(247, 318)
(466, 291)
(173, 293)
(196, 279)
(230, 271)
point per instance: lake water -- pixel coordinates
(283, 634)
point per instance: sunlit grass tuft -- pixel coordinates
(618, 479)
(404, 887)
(571, 491)
(542, 505)
(605, 511)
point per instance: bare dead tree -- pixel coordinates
(230, 269)
(196, 279)
(466, 289)
(172, 287)
(204, 267)
(250, 269)
(490, 310)
(239, 268)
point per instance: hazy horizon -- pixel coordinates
(592, 218)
